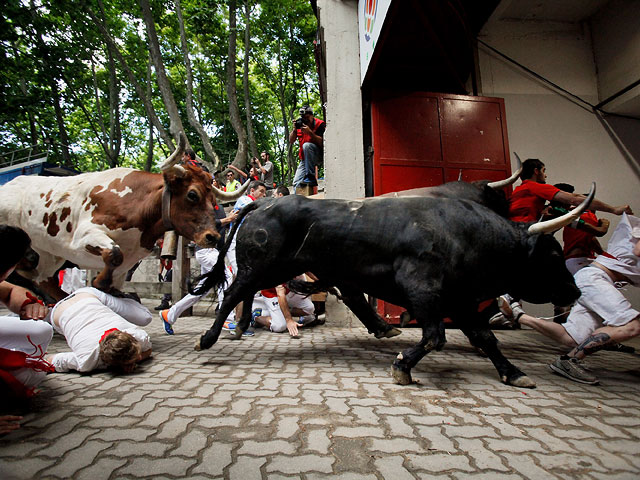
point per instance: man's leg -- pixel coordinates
(312, 157)
(300, 174)
(605, 336)
(554, 331)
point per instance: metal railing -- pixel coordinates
(23, 155)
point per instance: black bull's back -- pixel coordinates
(386, 246)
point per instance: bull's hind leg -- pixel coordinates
(357, 303)
(112, 258)
(232, 296)
(433, 337)
(483, 338)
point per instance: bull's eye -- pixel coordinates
(192, 196)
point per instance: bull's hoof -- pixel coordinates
(400, 377)
(115, 257)
(237, 334)
(204, 342)
(197, 346)
(392, 332)
(521, 382)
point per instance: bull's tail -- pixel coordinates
(216, 277)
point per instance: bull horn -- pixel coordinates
(176, 156)
(554, 224)
(508, 181)
(228, 196)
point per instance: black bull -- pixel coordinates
(435, 257)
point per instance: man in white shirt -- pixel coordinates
(102, 331)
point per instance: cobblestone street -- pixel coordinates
(324, 406)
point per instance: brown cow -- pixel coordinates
(110, 220)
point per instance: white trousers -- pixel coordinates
(207, 258)
(271, 308)
(29, 336)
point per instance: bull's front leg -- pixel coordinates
(245, 320)
(433, 338)
(483, 338)
(112, 258)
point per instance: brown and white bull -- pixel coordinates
(110, 220)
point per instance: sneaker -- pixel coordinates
(229, 326)
(165, 321)
(510, 308)
(163, 305)
(499, 320)
(574, 370)
(255, 314)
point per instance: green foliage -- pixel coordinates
(54, 54)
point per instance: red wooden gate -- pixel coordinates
(422, 139)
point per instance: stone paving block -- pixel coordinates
(21, 470)
(191, 443)
(68, 442)
(396, 445)
(125, 449)
(174, 428)
(528, 468)
(483, 458)
(300, 464)
(246, 468)
(77, 459)
(216, 422)
(438, 462)
(438, 442)
(99, 468)
(454, 431)
(341, 476)
(517, 445)
(337, 405)
(215, 458)
(262, 449)
(142, 467)
(287, 427)
(359, 432)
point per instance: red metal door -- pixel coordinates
(423, 139)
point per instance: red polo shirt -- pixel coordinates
(527, 202)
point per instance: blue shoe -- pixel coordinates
(167, 326)
(229, 326)
(248, 333)
(255, 314)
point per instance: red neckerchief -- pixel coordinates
(251, 197)
(107, 332)
(15, 359)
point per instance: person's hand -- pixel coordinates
(623, 209)
(9, 423)
(306, 129)
(34, 311)
(292, 326)
(233, 215)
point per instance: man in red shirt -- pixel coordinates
(309, 132)
(528, 199)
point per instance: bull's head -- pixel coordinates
(189, 199)
(545, 277)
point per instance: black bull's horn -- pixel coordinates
(554, 224)
(508, 181)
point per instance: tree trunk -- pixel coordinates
(193, 121)
(234, 111)
(62, 129)
(175, 124)
(148, 106)
(247, 96)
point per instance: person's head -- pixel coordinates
(534, 169)
(120, 350)
(306, 113)
(253, 172)
(14, 243)
(188, 154)
(257, 189)
(264, 155)
(281, 191)
(229, 176)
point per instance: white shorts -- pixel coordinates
(271, 308)
(577, 263)
(600, 304)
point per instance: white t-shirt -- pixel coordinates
(621, 244)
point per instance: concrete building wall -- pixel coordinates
(343, 150)
(576, 146)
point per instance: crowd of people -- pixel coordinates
(104, 331)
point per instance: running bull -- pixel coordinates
(110, 220)
(436, 257)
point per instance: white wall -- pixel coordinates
(343, 150)
(569, 139)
